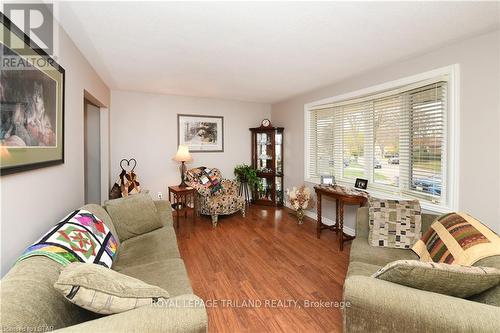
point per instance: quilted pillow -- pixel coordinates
(210, 178)
(394, 223)
(105, 291)
(457, 238)
(79, 237)
(453, 280)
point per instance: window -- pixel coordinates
(398, 139)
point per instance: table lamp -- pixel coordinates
(183, 156)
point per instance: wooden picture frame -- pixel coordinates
(201, 133)
(32, 104)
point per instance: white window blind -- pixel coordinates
(395, 139)
(427, 138)
(321, 142)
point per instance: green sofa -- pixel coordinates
(374, 305)
(30, 303)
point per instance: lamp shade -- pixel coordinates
(183, 154)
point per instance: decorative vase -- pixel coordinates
(300, 215)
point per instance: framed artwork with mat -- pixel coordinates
(201, 133)
(31, 103)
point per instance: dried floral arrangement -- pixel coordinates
(300, 198)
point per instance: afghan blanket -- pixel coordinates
(79, 237)
(209, 178)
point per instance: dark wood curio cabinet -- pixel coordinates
(267, 159)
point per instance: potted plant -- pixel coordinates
(247, 176)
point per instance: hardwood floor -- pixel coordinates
(264, 257)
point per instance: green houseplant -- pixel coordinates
(247, 175)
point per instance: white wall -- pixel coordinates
(144, 126)
(33, 201)
(479, 120)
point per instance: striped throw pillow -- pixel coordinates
(457, 238)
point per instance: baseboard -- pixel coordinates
(324, 220)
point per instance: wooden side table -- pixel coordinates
(183, 199)
(343, 196)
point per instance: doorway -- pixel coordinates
(92, 153)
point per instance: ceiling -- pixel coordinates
(261, 51)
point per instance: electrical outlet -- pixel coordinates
(160, 195)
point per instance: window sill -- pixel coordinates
(427, 207)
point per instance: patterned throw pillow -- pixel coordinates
(394, 223)
(457, 238)
(105, 291)
(453, 280)
(210, 178)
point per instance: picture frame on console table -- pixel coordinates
(361, 183)
(202, 134)
(328, 180)
(31, 104)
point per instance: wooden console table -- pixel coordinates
(343, 196)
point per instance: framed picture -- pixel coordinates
(201, 133)
(327, 180)
(31, 104)
(361, 183)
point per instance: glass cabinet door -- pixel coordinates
(264, 153)
(278, 150)
(265, 189)
(279, 190)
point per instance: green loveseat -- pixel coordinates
(380, 306)
(30, 303)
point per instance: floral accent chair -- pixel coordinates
(216, 196)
